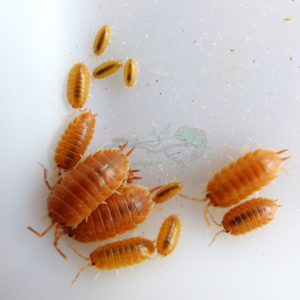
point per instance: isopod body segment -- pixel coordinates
(75, 140)
(107, 68)
(78, 85)
(102, 39)
(168, 235)
(130, 72)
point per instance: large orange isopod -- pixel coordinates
(81, 190)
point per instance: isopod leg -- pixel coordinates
(154, 189)
(57, 236)
(215, 237)
(79, 254)
(205, 213)
(285, 158)
(43, 233)
(214, 221)
(83, 268)
(193, 199)
(45, 178)
(281, 151)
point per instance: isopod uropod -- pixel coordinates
(107, 68)
(168, 235)
(248, 216)
(119, 254)
(78, 85)
(75, 140)
(81, 190)
(130, 71)
(102, 39)
(242, 178)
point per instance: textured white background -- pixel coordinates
(188, 75)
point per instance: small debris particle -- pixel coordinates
(254, 61)
(287, 19)
(156, 80)
(232, 50)
(291, 57)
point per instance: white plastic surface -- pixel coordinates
(228, 68)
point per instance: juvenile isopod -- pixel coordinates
(78, 85)
(122, 211)
(168, 191)
(168, 235)
(248, 216)
(102, 39)
(119, 254)
(79, 192)
(130, 71)
(75, 141)
(107, 68)
(242, 178)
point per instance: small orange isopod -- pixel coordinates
(242, 178)
(107, 68)
(168, 235)
(102, 39)
(119, 254)
(248, 216)
(130, 71)
(167, 191)
(78, 85)
(75, 140)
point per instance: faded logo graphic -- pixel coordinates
(183, 146)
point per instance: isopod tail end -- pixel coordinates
(124, 146)
(215, 237)
(130, 151)
(83, 268)
(43, 233)
(281, 151)
(285, 158)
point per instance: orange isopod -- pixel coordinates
(81, 190)
(107, 68)
(168, 191)
(242, 178)
(130, 71)
(168, 235)
(102, 39)
(78, 85)
(248, 216)
(119, 254)
(122, 211)
(75, 140)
